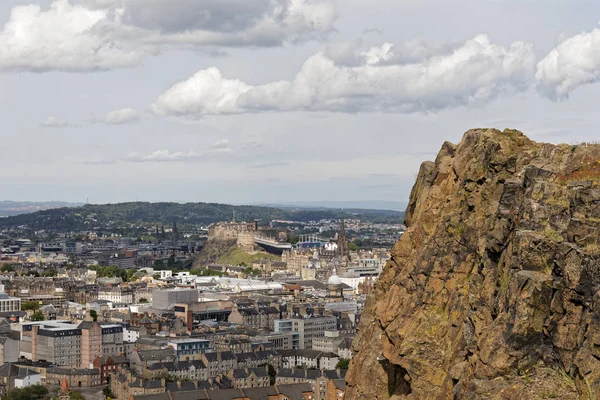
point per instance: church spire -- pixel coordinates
(342, 241)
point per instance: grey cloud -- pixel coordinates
(372, 30)
(91, 35)
(476, 72)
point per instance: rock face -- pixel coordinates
(493, 292)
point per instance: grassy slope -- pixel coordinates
(237, 256)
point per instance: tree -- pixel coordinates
(50, 273)
(30, 305)
(342, 363)
(130, 274)
(156, 276)
(33, 392)
(37, 316)
(94, 315)
(76, 396)
(171, 261)
(353, 246)
(107, 393)
(271, 371)
(143, 300)
(7, 268)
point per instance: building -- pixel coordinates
(108, 365)
(58, 342)
(72, 346)
(287, 340)
(193, 314)
(308, 328)
(334, 343)
(9, 303)
(16, 377)
(309, 359)
(162, 299)
(335, 389)
(297, 391)
(75, 377)
(219, 362)
(141, 360)
(189, 349)
(254, 317)
(194, 370)
(9, 350)
(224, 231)
(237, 345)
(249, 377)
(131, 333)
(91, 342)
(116, 294)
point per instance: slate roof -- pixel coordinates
(340, 384)
(260, 393)
(295, 391)
(155, 355)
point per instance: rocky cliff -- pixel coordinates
(493, 292)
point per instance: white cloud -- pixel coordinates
(475, 72)
(220, 147)
(64, 37)
(122, 116)
(53, 122)
(85, 35)
(163, 156)
(573, 63)
(221, 144)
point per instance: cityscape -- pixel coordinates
(273, 314)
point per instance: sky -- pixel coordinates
(269, 101)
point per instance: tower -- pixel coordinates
(342, 241)
(174, 234)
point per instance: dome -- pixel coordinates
(334, 279)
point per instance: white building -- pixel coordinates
(9, 304)
(116, 295)
(27, 377)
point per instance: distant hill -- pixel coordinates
(10, 208)
(362, 205)
(130, 216)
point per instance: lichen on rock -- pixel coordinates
(493, 292)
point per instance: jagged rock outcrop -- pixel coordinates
(493, 292)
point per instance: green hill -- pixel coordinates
(141, 215)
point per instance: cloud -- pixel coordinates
(122, 116)
(221, 144)
(86, 35)
(65, 37)
(163, 156)
(372, 30)
(573, 63)
(53, 122)
(220, 147)
(475, 72)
